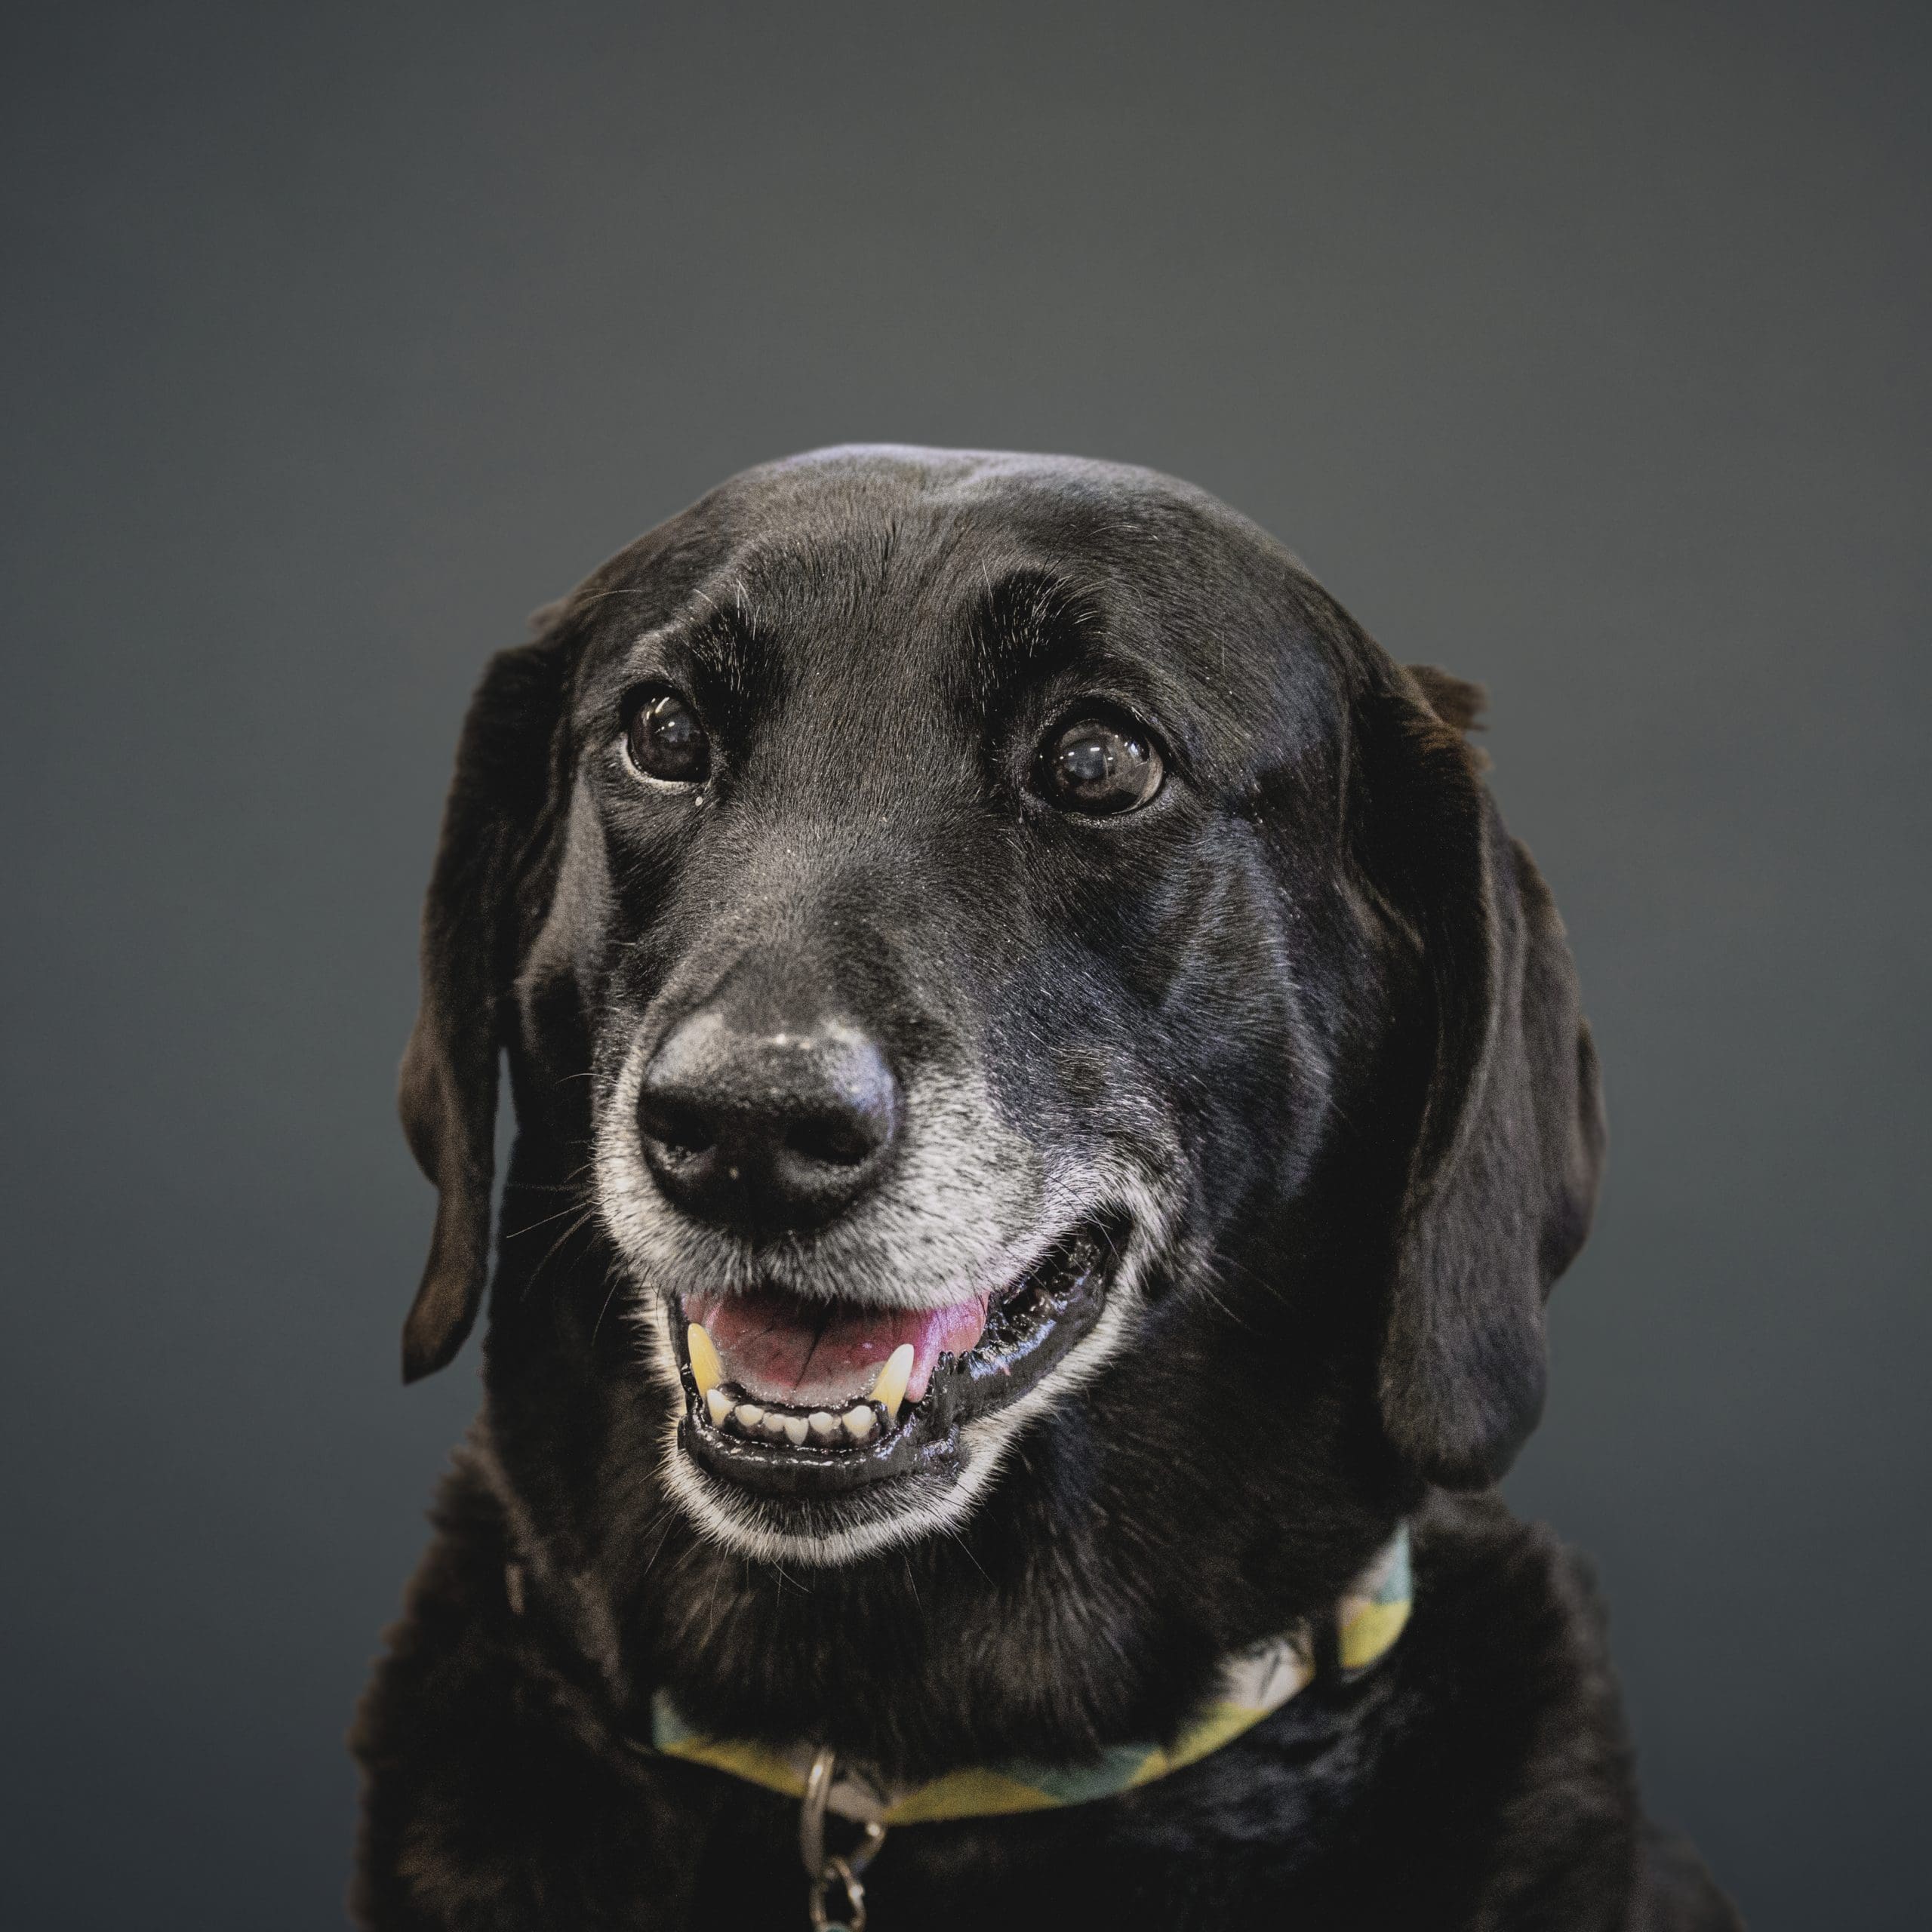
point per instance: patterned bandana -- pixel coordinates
(1253, 1682)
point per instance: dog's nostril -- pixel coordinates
(833, 1141)
(680, 1128)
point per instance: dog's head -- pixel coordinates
(995, 922)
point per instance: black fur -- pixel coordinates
(1315, 987)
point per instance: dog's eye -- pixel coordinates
(666, 740)
(1099, 766)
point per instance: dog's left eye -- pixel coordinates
(666, 740)
(1098, 765)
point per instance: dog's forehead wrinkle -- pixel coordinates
(888, 508)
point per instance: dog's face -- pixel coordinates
(1003, 961)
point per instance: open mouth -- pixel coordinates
(804, 1398)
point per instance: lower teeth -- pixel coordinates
(729, 1412)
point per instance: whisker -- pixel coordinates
(530, 1227)
(574, 1227)
(615, 1276)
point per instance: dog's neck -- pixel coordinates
(1245, 1684)
(1253, 1682)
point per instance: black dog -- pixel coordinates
(1048, 1106)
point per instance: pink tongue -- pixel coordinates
(780, 1349)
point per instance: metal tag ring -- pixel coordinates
(811, 1821)
(812, 1813)
(823, 1871)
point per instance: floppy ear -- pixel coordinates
(1504, 1177)
(475, 922)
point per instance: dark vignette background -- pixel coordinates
(1580, 349)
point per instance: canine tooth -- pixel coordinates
(824, 1424)
(860, 1422)
(749, 1415)
(889, 1391)
(706, 1369)
(795, 1431)
(719, 1403)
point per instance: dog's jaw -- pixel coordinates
(907, 1508)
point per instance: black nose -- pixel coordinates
(766, 1126)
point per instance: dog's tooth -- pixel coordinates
(889, 1391)
(749, 1415)
(719, 1403)
(824, 1424)
(706, 1370)
(774, 1425)
(796, 1431)
(860, 1422)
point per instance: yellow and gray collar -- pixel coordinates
(1254, 1683)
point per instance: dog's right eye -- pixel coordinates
(1100, 764)
(665, 741)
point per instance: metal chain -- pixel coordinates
(823, 1871)
(836, 1870)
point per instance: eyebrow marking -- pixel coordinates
(727, 644)
(1032, 620)
(1024, 627)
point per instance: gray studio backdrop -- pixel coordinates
(1580, 349)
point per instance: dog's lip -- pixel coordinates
(1029, 1325)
